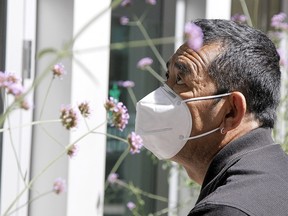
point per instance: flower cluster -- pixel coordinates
(124, 20)
(112, 178)
(69, 117)
(126, 3)
(144, 62)
(59, 186)
(194, 36)
(72, 151)
(58, 70)
(13, 86)
(84, 109)
(278, 21)
(151, 2)
(118, 115)
(277, 34)
(135, 143)
(239, 18)
(130, 205)
(126, 84)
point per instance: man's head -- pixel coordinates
(184, 123)
(234, 59)
(248, 62)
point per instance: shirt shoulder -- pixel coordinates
(216, 210)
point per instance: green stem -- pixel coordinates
(45, 98)
(151, 45)
(15, 153)
(30, 201)
(52, 137)
(86, 124)
(113, 5)
(155, 74)
(256, 12)
(111, 136)
(45, 169)
(129, 44)
(137, 190)
(32, 182)
(89, 73)
(132, 96)
(117, 165)
(30, 124)
(246, 12)
(35, 83)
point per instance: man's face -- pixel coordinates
(187, 75)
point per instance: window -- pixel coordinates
(142, 169)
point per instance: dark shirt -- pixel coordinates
(249, 176)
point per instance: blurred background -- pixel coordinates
(94, 69)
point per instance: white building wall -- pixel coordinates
(21, 19)
(86, 171)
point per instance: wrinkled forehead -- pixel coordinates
(187, 57)
(207, 52)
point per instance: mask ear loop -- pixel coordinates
(206, 97)
(200, 135)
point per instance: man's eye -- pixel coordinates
(179, 80)
(167, 75)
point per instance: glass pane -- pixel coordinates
(259, 11)
(139, 169)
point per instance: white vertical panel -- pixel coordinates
(174, 173)
(21, 20)
(86, 171)
(220, 9)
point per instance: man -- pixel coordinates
(214, 116)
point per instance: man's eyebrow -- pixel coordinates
(182, 68)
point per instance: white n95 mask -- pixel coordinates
(164, 122)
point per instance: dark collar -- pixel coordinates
(255, 139)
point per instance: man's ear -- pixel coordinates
(236, 110)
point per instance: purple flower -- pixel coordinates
(84, 109)
(59, 186)
(194, 35)
(278, 18)
(135, 142)
(58, 70)
(124, 20)
(12, 84)
(240, 18)
(117, 113)
(24, 104)
(7, 79)
(112, 178)
(73, 150)
(144, 62)
(151, 2)
(277, 21)
(126, 84)
(283, 61)
(69, 117)
(130, 205)
(15, 89)
(126, 3)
